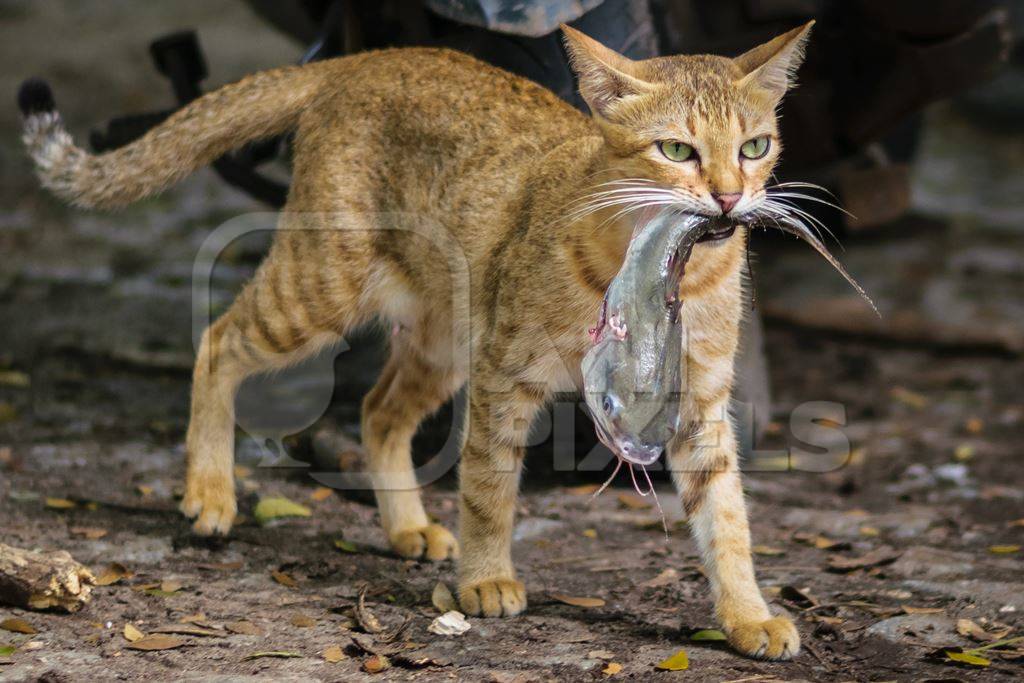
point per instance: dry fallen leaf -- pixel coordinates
(834, 621)
(908, 397)
(443, 599)
(171, 586)
(800, 598)
(321, 493)
(767, 551)
(633, 501)
(132, 634)
(279, 654)
(677, 662)
(334, 654)
(60, 504)
(269, 509)
(907, 609)
(188, 630)
(198, 619)
(824, 543)
(584, 490)
(89, 532)
(974, 425)
(451, 623)
(969, 628)
(708, 634)
(967, 658)
(963, 452)
(612, 669)
(284, 579)
(1015, 522)
(601, 654)
(245, 628)
(16, 625)
(346, 546)
(157, 641)
(376, 664)
(13, 378)
(1003, 549)
(302, 621)
(114, 572)
(220, 566)
(878, 556)
(590, 533)
(144, 490)
(367, 620)
(578, 602)
(869, 531)
(666, 578)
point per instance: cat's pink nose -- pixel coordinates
(727, 201)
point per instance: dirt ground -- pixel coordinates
(881, 560)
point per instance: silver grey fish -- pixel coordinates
(631, 374)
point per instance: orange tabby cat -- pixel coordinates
(474, 166)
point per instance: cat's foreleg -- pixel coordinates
(489, 484)
(706, 473)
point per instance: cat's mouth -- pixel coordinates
(722, 228)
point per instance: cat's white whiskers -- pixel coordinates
(811, 218)
(811, 198)
(810, 186)
(627, 195)
(796, 222)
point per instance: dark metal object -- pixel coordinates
(179, 57)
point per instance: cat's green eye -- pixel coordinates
(676, 151)
(756, 148)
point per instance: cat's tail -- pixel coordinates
(260, 106)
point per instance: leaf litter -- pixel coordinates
(156, 642)
(278, 507)
(17, 625)
(334, 654)
(132, 634)
(578, 601)
(443, 599)
(114, 573)
(680, 661)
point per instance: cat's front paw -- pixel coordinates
(432, 542)
(775, 638)
(210, 499)
(493, 598)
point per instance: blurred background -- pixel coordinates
(911, 113)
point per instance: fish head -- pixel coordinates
(632, 390)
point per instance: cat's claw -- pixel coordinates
(432, 542)
(775, 638)
(211, 502)
(494, 598)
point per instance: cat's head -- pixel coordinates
(700, 132)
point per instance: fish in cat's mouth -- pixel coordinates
(627, 448)
(722, 228)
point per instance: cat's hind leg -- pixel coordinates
(292, 307)
(412, 386)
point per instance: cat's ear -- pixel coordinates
(605, 76)
(772, 67)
